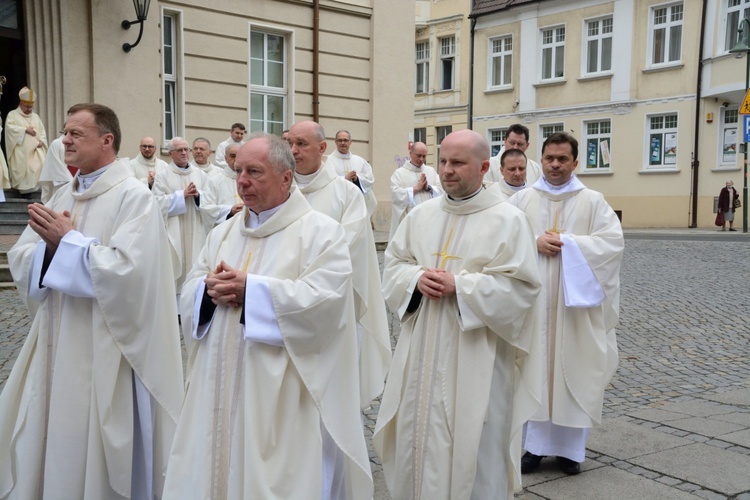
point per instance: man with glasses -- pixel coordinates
(177, 189)
(146, 164)
(353, 168)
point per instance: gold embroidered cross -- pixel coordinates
(444, 252)
(554, 228)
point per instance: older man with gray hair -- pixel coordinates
(177, 190)
(273, 383)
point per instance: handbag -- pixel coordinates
(737, 203)
(719, 219)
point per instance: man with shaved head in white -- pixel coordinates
(146, 164)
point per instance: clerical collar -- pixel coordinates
(304, 180)
(516, 188)
(343, 155)
(572, 186)
(253, 220)
(148, 161)
(468, 197)
(183, 168)
(86, 180)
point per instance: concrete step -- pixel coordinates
(5, 276)
(14, 213)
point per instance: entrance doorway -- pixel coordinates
(12, 56)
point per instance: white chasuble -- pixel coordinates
(251, 423)
(403, 197)
(181, 215)
(142, 167)
(55, 171)
(25, 157)
(343, 164)
(67, 409)
(533, 170)
(578, 343)
(464, 377)
(342, 201)
(219, 195)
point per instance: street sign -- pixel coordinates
(746, 128)
(745, 107)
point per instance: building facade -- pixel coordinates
(201, 66)
(648, 87)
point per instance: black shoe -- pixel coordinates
(732, 229)
(530, 462)
(568, 466)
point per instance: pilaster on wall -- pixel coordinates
(44, 47)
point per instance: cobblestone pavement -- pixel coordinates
(684, 374)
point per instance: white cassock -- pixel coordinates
(343, 164)
(91, 405)
(219, 195)
(465, 374)
(403, 196)
(342, 201)
(209, 169)
(271, 406)
(182, 216)
(221, 151)
(142, 166)
(581, 296)
(4, 174)
(55, 173)
(25, 159)
(506, 190)
(533, 170)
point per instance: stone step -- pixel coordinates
(3, 258)
(5, 276)
(14, 213)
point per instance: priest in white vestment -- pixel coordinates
(342, 201)
(91, 405)
(411, 184)
(462, 276)
(25, 144)
(201, 157)
(271, 405)
(236, 136)
(580, 245)
(516, 137)
(513, 171)
(220, 198)
(55, 173)
(147, 164)
(177, 189)
(354, 169)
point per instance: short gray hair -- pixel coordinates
(170, 143)
(279, 153)
(202, 139)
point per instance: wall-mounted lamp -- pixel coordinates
(141, 11)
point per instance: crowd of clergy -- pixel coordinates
(504, 274)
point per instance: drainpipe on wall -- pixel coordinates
(316, 57)
(470, 106)
(696, 144)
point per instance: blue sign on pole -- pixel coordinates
(745, 128)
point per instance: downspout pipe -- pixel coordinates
(696, 140)
(316, 61)
(470, 104)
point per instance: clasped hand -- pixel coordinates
(51, 226)
(436, 283)
(549, 244)
(226, 285)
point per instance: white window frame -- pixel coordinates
(664, 128)
(422, 56)
(552, 39)
(264, 89)
(447, 53)
(597, 144)
(420, 134)
(546, 130)
(173, 103)
(496, 139)
(729, 139)
(500, 48)
(667, 24)
(441, 132)
(734, 11)
(597, 31)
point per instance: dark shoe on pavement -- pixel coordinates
(530, 462)
(568, 466)
(732, 229)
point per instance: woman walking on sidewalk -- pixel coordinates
(728, 201)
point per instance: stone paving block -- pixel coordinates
(736, 418)
(607, 484)
(697, 408)
(735, 397)
(741, 438)
(710, 467)
(625, 440)
(548, 471)
(706, 426)
(381, 490)
(656, 415)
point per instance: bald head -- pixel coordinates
(308, 142)
(418, 154)
(148, 147)
(464, 159)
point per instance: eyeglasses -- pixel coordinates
(147, 147)
(343, 140)
(182, 150)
